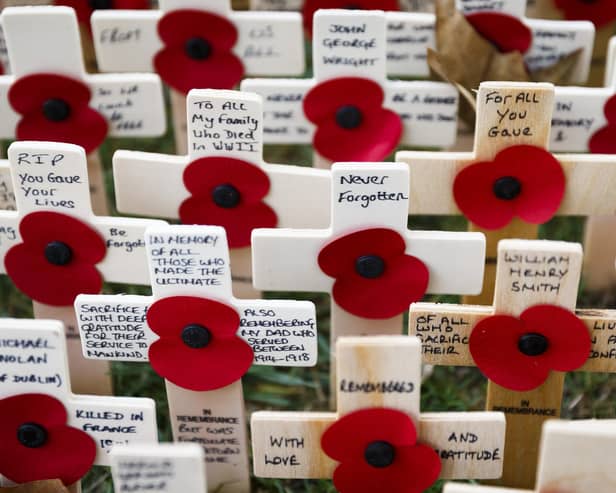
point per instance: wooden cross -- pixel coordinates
(162, 468)
(267, 44)
(50, 181)
(44, 41)
(368, 200)
(352, 44)
(575, 456)
(189, 267)
(228, 125)
(377, 374)
(34, 366)
(510, 115)
(529, 273)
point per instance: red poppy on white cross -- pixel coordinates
(574, 457)
(524, 342)
(47, 431)
(198, 44)
(377, 439)
(350, 111)
(369, 261)
(53, 247)
(201, 339)
(223, 180)
(50, 97)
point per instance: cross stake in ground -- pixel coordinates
(201, 339)
(523, 342)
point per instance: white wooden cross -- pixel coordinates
(161, 468)
(45, 40)
(34, 361)
(529, 273)
(228, 125)
(381, 372)
(575, 457)
(510, 115)
(51, 180)
(268, 44)
(191, 264)
(351, 44)
(367, 197)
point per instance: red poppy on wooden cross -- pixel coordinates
(223, 180)
(200, 338)
(53, 247)
(523, 343)
(198, 45)
(350, 111)
(377, 440)
(574, 456)
(49, 96)
(46, 431)
(369, 261)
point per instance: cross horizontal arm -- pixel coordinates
(475, 488)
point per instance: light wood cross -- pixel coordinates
(510, 115)
(529, 273)
(162, 468)
(189, 267)
(34, 361)
(43, 41)
(381, 372)
(575, 457)
(267, 44)
(51, 187)
(368, 197)
(227, 125)
(352, 44)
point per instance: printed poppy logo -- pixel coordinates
(352, 124)
(57, 258)
(36, 443)
(504, 31)
(198, 347)
(519, 353)
(56, 108)
(227, 192)
(311, 6)
(197, 51)
(599, 12)
(604, 140)
(374, 277)
(85, 8)
(523, 181)
(378, 451)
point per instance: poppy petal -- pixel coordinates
(599, 12)
(505, 31)
(27, 94)
(178, 26)
(604, 140)
(131, 4)
(311, 6)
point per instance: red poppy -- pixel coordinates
(85, 8)
(374, 277)
(378, 451)
(524, 181)
(604, 139)
(599, 12)
(37, 444)
(505, 31)
(198, 347)
(56, 108)
(197, 52)
(56, 259)
(227, 192)
(311, 6)
(519, 353)
(352, 124)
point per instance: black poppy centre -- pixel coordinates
(226, 196)
(349, 117)
(58, 253)
(507, 188)
(370, 266)
(101, 4)
(32, 435)
(198, 48)
(380, 454)
(196, 336)
(56, 110)
(533, 344)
